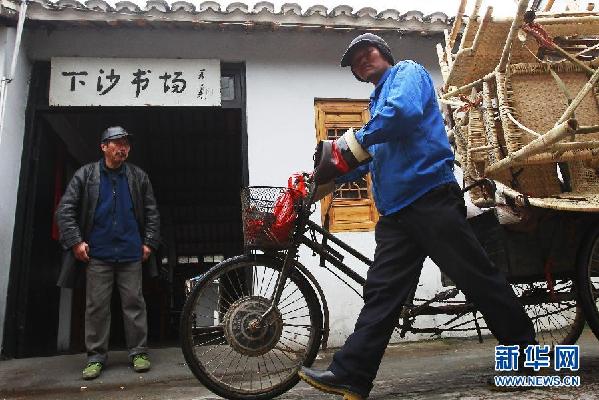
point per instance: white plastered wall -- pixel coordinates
(11, 148)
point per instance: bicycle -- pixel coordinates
(253, 320)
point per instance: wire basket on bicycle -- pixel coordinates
(269, 216)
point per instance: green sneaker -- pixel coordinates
(92, 370)
(141, 363)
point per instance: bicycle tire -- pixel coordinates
(189, 317)
(587, 272)
(554, 322)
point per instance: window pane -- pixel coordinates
(353, 190)
(227, 88)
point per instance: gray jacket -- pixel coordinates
(75, 215)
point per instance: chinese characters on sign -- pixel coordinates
(506, 358)
(565, 357)
(80, 81)
(528, 363)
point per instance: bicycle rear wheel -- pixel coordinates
(588, 280)
(555, 313)
(225, 348)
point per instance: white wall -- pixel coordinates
(11, 147)
(285, 72)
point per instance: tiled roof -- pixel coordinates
(290, 15)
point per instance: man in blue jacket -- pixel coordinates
(405, 148)
(109, 222)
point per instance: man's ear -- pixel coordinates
(103, 146)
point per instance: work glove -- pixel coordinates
(323, 190)
(333, 158)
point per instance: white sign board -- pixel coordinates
(83, 81)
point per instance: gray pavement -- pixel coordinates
(439, 369)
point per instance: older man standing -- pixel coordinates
(405, 148)
(109, 223)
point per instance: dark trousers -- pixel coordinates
(100, 279)
(435, 225)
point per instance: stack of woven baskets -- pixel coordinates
(521, 101)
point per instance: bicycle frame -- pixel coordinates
(305, 234)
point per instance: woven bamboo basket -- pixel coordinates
(476, 146)
(522, 99)
(531, 94)
(496, 149)
(565, 25)
(476, 157)
(471, 64)
(493, 131)
(460, 131)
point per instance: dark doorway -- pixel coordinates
(37, 313)
(196, 160)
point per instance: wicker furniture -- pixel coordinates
(530, 120)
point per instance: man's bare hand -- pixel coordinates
(147, 250)
(81, 251)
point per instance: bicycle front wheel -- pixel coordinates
(225, 347)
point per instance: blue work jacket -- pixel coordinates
(406, 137)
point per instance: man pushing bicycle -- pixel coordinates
(405, 148)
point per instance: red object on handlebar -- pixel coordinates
(284, 208)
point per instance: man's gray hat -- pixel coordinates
(115, 132)
(367, 39)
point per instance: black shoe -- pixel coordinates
(326, 381)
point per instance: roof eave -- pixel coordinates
(124, 13)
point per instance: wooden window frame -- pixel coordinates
(345, 215)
